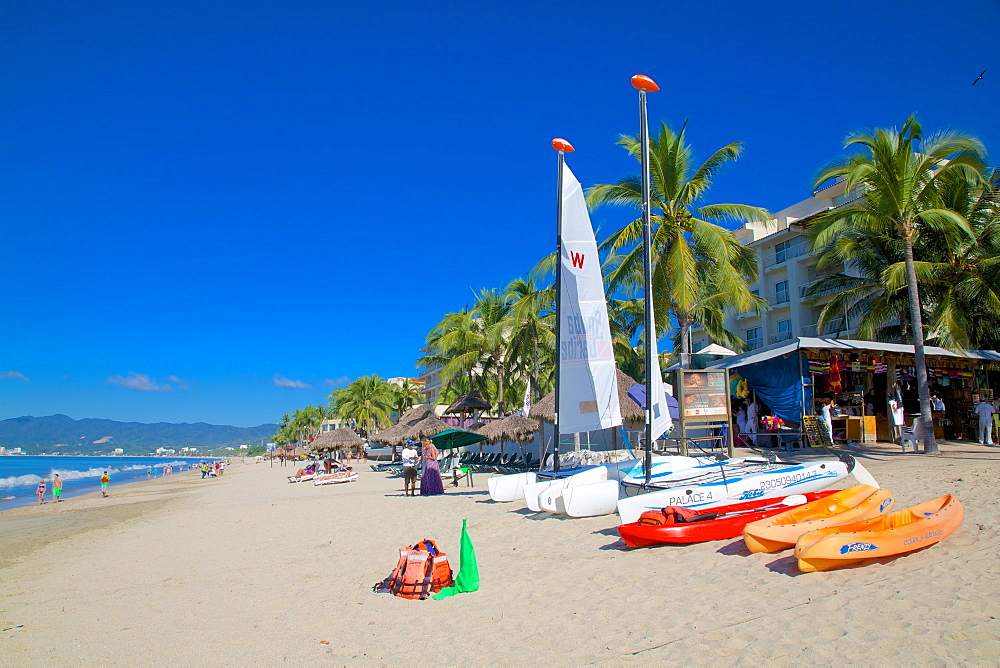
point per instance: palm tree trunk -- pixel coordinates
(684, 324)
(916, 324)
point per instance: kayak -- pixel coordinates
(896, 533)
(727, 482)
(781, 531)
(718, 524)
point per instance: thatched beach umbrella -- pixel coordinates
(338, 440)
(415, 424)
(631, 411)
(515, 428)
(468, 403)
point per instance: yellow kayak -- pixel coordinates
(781, 531)
(896, 533)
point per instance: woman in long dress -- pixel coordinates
(430, 482)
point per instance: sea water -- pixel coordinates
(20, 474)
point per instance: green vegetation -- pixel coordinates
(929, 206)
(921, 244)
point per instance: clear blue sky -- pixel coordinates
(208, 206)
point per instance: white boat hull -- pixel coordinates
(533, 491)
(506, 488)
(744, 480)
(601, 498)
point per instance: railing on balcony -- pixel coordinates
(781, 299)
(835, 326)
(780, 336)
(779, 256)
(753, 344)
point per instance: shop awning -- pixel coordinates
(817, 343)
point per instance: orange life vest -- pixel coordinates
(422, 570)
(672, 515)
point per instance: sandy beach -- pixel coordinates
(249, 569)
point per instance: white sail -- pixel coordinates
(588, 387)
(659, 416)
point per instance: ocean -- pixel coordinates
(20, 474)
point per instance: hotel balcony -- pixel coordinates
(780, 336)
(779, 256)
(835, 327)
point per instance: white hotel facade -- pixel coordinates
(786, 270)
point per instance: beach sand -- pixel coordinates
(249, 569)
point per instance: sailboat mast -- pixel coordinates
(562, 147)
(644, 83)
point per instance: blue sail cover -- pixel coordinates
(778, 382)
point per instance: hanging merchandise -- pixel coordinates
(818, 367)
(835, 385)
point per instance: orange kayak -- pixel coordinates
(896, 533)
(781, 531)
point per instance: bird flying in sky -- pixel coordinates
(979, 77)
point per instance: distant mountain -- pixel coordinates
(63, 434)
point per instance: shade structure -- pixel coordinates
(449, 439)
(511, 428)
(467, 403)
(631, 412)
(338, 439)
(415, 424)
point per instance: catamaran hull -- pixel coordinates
(780, 481)
(506, 488)
(543, 494)
(601, 498)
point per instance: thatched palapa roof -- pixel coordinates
(338, 439)
(473, 401)
(631, 411)
(415, 424)
(512, 428)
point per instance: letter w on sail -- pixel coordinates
(577, 259)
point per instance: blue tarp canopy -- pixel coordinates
(637, 393)
(778, 382)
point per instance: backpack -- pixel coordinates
(672, 515)
(422, 570)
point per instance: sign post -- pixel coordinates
(704, 406)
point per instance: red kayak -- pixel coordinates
(716, 524)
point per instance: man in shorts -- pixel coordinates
(56, 488)
(105, 481)
(410, 457)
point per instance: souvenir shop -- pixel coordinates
(872, 387)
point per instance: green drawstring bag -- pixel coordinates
(467, 579)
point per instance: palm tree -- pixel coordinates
(532, 335)
(879, 312)
(959, 276)
(698, 266)
(900, 175)
(406, 395)
(367, 401)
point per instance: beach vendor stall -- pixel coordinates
(863, 381)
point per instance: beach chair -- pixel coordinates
(910, 435)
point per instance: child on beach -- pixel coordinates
(105, 481)
(41, 491)
(57, 488)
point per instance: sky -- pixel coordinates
(220, 211)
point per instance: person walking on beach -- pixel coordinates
(41, 491)
(984, 410)
(105, 481)
(56, 488)
(149, 471)
(430, 482)
(409, 456)
(204, 470)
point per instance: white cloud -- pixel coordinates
(281, 381)
(13, 375)
(337, 382)
(139, 381)
(179, 382)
